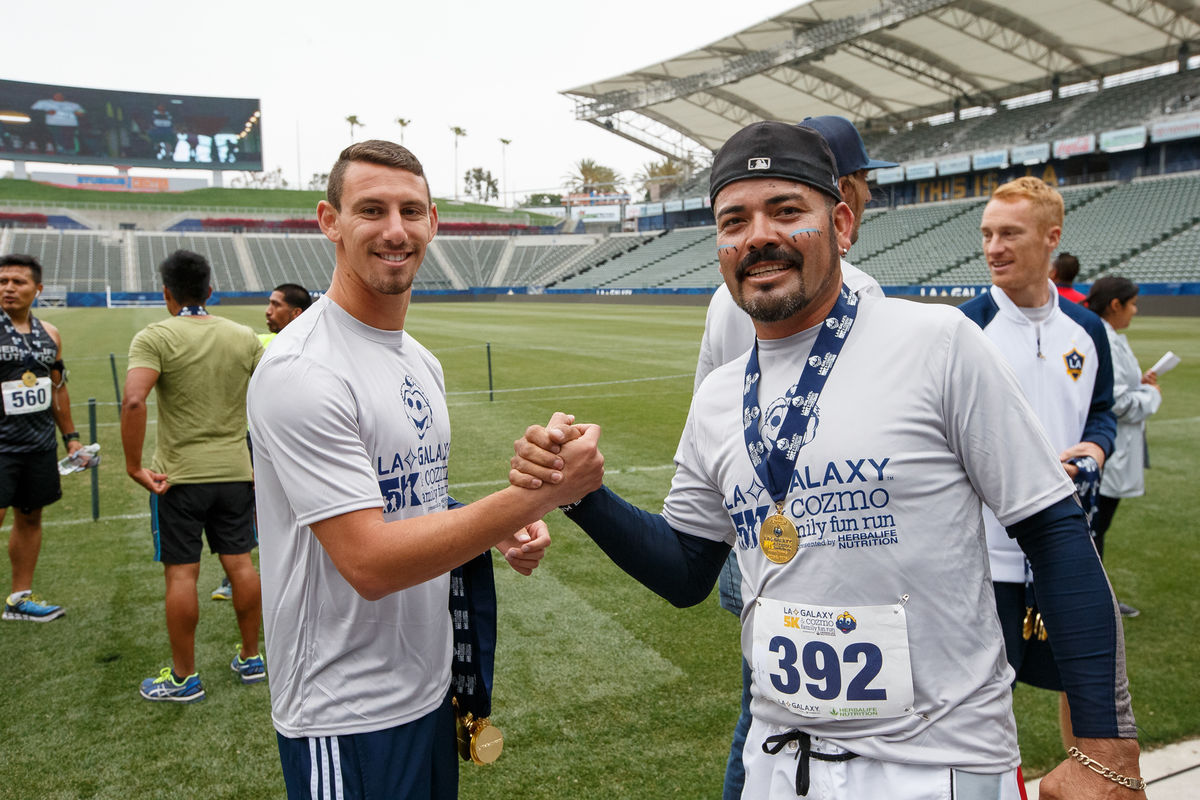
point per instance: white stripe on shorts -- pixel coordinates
(335, 755)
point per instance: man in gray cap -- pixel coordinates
(845, 458)
(729, 332)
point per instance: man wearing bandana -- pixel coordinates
(869, 624)
(34, 387)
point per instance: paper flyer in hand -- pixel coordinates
(1165, 364)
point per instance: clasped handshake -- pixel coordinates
(562, 457)
(561, 462)
(562, 454)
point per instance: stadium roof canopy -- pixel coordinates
(883, 62)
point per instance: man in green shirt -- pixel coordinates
(287, 301)
(200, 480)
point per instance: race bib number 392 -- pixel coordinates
(22, 399)
(833, 661)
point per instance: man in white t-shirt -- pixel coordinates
(351, 442)
(845, 459)
(729, 332)
(62, 121)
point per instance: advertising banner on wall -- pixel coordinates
(1123, 139)
(1075, 146)
(889, 175)
(75, 125)
(993, 159)
(918, 171)
(1031, 153)
(1186, 128)
(954, 166)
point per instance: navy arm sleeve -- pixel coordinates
(679, 567)
(1081, 616)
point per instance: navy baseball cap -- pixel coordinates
(775, 150)
(847, 145)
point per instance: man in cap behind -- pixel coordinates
(729, 332)
(845, 458)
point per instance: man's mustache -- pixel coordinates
(769, 253)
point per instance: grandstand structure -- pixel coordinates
(1100, 97)
(1147, 229)
(889, 67)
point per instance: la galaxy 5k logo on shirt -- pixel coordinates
(840, 504)
(417, 477)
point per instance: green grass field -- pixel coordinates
(602, 690)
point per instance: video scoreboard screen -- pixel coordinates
(74, 125)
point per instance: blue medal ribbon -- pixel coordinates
(193, 311)
(774, 469)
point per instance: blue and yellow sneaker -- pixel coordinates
(166, 688)
(28, 608)
(224, 591)
(250, 670)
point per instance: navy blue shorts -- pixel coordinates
(416, 761)
(1033, 660)
(222, 512)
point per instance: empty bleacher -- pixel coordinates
(218, 248)
(306, 260)
(1116, 225)
(662, 258)
(83, 261)
(1148, 229)
(1172, 260)
(474, 258)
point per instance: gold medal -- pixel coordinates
(478, 739)
(28, 378)
(778, 538)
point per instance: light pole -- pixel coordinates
(403, 123)
(504, 143)
(458, 133)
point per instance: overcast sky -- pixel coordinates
(492, 68)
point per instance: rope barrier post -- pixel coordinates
(112, 360)
(96, 469)
(491, 395)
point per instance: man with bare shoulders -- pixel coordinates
(34, 386)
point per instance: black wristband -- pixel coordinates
(73, 436)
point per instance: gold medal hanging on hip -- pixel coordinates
(779, 538)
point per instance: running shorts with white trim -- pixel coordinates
(414, 761)
(29, 481)
(773, 777)
(222, 512)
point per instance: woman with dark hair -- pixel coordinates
(1135, 397)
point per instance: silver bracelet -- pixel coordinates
(1137, 784)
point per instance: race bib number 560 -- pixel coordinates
(22, 399)
(833, 661)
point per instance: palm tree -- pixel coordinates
(458, 134)
(659, 178)
(591, 177)
(354, 123)
(403, 123)
(504, 143)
